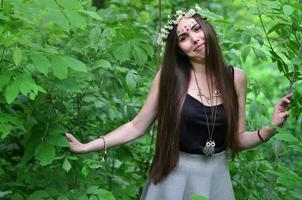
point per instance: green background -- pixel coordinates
(67, 66)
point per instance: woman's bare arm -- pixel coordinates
(250, 139)
(126, 132)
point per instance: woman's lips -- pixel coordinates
(199, 48)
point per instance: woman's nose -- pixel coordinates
(196, 40)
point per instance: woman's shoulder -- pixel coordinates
(239, 75)
(239, 78)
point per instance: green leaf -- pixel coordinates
(245, 37)
(101, 193)
(27, 86)
(11, 92)
(41, 63)
(38, 195)
(197, 197)
(66, 165)
(57, 17)
(209, 14)
(93, 197)
(259, 53)
(45, 153)
(139, 55)
(62, 197)
(259, 38)
(25, 83)
(122, 53)
(92, 190)
(75, 64)
(4, 79)
(288, 10)
(5, 129)
(57, 140)
(286, 137)
(17, 196)
(92, 14)
(102, 64)
(76, 20)
(4, 193)
(33, 141)
(245, 52)
(70, 4)
(297, 60)
(59, 67)
(70, 85)
(131, 80)
(17, 56)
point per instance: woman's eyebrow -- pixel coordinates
(186, 32)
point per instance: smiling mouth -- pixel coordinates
(199, 48)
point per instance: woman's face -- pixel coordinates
(191, 39)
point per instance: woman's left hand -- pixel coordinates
(280, 113)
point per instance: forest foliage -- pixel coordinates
(67, 66)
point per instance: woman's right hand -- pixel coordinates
(75, 145)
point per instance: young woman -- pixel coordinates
(199, 103)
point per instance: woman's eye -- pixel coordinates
(197, 28)
(181, 39)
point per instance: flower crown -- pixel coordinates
(174, 20)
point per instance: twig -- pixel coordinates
(292, 80)
(269, 41)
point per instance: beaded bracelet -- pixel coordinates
(258, 133)
(103, 155)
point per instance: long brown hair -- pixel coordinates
(174, 81)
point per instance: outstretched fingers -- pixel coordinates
(69, 137)
(286, 100)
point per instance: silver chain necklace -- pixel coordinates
(209, 148)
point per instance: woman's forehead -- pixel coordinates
(185, 24)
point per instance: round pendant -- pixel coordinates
(209, 148)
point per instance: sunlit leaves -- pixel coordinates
(288, 10)
(60, 70)
(17, 56)
(122, 53)
(131, 80)
(70, 4)
(41, 63)
(92, 14)
(76, 20)
(23, 83)
(58, 18)
(11, 92)
(139, 55)
(105, 64)
(75, 64)
(286, 137)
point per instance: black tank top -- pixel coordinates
(193, 126)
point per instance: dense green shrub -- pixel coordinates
(67, 67)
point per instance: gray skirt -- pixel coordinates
(194, 175)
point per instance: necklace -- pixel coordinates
(209, 148)
(208, 98)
